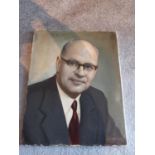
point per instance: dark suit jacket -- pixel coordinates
(44, 121)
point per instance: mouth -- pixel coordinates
(77, 82)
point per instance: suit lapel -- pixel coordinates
(89, 119)
(53, 124)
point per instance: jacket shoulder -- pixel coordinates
(96, 93)
(41, 84)
(37, 91)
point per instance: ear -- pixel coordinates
(58, 64)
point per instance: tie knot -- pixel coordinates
(74, 105)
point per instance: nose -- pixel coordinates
(80, 71)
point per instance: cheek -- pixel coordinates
(90, 78)
(65, 74)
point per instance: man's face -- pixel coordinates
(74, 80)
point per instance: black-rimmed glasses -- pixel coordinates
(76, 65)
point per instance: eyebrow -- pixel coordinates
(72, 59)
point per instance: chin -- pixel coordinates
(77, 91)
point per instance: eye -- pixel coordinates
(72, 63)
(88, 67)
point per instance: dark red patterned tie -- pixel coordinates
(74, 125)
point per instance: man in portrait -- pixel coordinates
(66, 109)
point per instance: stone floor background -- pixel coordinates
(81, 15)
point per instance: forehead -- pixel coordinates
(82, 51)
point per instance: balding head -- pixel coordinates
(78, 44)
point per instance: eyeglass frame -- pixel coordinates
(77, 65)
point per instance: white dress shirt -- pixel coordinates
(66, 104)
